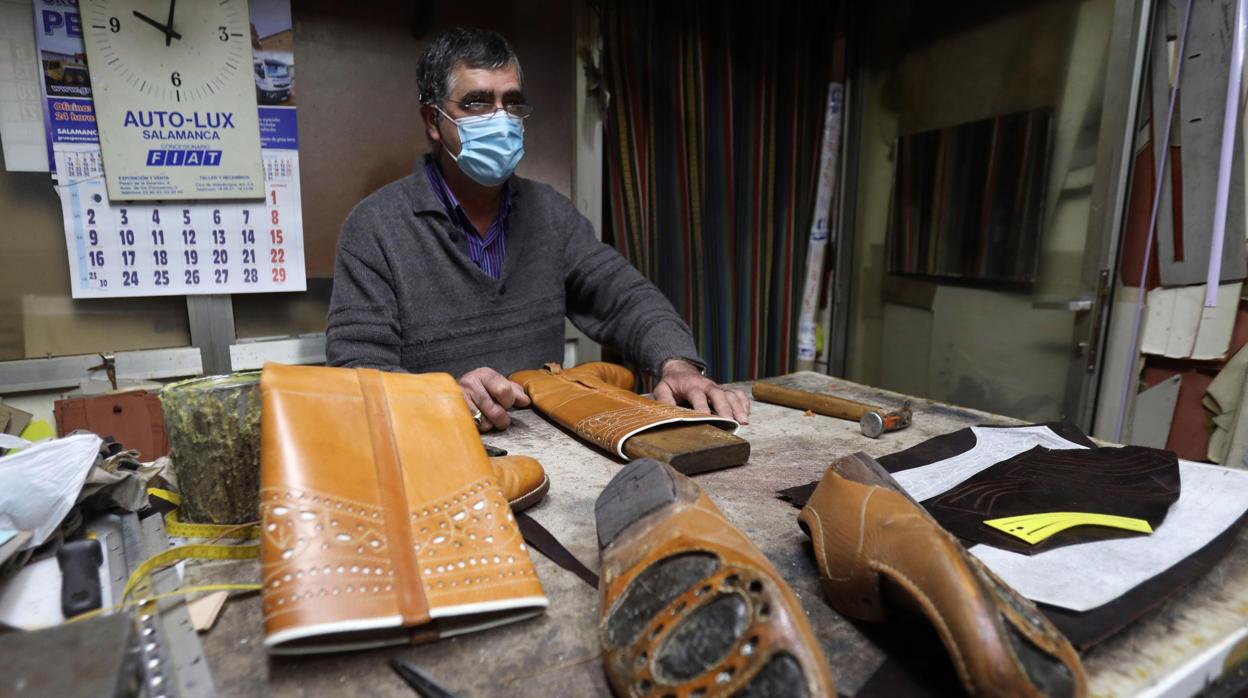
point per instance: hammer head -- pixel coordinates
(875, 423)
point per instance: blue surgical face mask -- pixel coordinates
(491, 146)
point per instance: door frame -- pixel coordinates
(1124, 70)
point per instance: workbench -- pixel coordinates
(558, 653)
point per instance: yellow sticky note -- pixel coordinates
(38, 429)
(1034, 528)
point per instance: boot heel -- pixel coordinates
(640, 488)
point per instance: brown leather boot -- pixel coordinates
(879, 552)
(523, 480)
(689, 606)
(595, 402)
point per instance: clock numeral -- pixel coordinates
(224, 35)
(176, 78)
(114, 25)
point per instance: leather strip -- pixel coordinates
(413, 606)
(545, 543)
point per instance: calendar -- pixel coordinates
(172, 247)
(136, 248)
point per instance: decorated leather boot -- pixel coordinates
(595, 402)
(690, 607)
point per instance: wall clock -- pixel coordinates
(175, 98)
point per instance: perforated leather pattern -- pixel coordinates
(323, 546)
(469, 542)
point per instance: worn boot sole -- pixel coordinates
(689, 624)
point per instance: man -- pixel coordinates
(464, 268)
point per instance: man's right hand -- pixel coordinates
(490, 393)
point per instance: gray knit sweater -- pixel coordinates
(407, 297)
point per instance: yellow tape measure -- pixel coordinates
(185, 552)
(181, 529)
(198, 551)
(1034, 528)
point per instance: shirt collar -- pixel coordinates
(428, 196)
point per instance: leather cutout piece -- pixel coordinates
(1134, 482)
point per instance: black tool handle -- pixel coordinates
(80, 576)
(422, 683)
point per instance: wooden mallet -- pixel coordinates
(872, 420)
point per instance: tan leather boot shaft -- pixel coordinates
(381, 519)
(609, 373)
(869, 540)
(522, 478)
(594, 402)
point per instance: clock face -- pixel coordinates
(175, 52)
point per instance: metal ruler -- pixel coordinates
(173, 658)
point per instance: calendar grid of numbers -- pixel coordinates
(177, 248)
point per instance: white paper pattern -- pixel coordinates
(1082, 577)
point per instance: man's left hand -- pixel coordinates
(682, 382)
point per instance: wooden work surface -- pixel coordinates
(558, 654)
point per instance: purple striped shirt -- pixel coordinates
(486, 251)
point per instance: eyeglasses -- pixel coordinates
(520, 110)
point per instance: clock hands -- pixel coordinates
(166, 30)
(169, 24)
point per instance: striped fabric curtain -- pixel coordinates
(712, 142)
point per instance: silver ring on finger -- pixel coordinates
(477, 418)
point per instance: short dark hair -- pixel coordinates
(467, 46)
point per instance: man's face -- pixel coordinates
(469, 87)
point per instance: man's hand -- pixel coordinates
(486, 391)
(683, 382)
